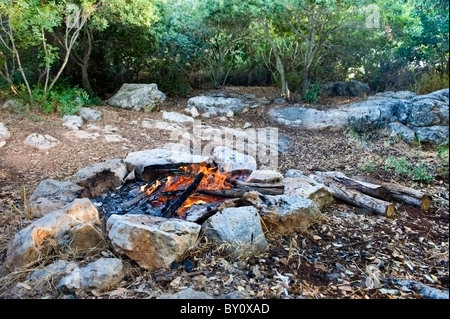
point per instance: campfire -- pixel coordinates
(175, 190)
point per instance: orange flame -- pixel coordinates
(150, 189)
(213, 180)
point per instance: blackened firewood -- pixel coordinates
(171, 209)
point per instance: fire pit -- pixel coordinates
(156, 206)
(179, 189)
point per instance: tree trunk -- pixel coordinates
(86, 83)
(85, 80)
(309, 57)
(305, 83)
(279, 62)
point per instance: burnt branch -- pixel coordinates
(171, 209)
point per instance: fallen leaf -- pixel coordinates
(175, 282)
(409, 230)
(24, 285)
(96, 293)
(117, 292)
(315, 237)
(397, 254)
(429, 278)
(373, 274)
(320, 266)
(284, 261)
(407, 263)
(345, 288)
(229, 280)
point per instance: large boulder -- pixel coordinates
(101, 177)
(239, 228)
(218, 105)
(40, 238)
(51, 195)
(138, 97)
(152, 242)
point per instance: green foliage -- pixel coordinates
(417, 170)
(62, 99)
(361, 132)
(443, 154)
(185, 44)
(313, 94)
(431, 81)
(401, 166)
(368, 165)
(69, 100)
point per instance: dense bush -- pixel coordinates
(182, 45)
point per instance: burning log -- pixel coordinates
(146, 192)
(170, 211)
(265, 189)
(243, 187)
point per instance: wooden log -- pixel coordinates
(200, 213)
(359, 199)
(382, 190)
(409, 195)
(142, 195)
(157, 171)
(258, 185)
(171, 209)
(134, 201)
(240, 191)
(374, 190)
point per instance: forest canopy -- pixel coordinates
(95, 46)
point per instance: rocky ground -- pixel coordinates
(349, 254)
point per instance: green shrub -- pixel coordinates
(416, 170)
(62, 99)
(400, 165)
(69, 100)
(431, 81)
(443, 154)
(368, 165)
(313, 94)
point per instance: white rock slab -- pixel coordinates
(153, 242)
(239, 227)
(177, 117)
(41, 142)
(38, 239)
(230, 160)
(102, 275)
(176, 153)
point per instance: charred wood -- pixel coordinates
(172, 208)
